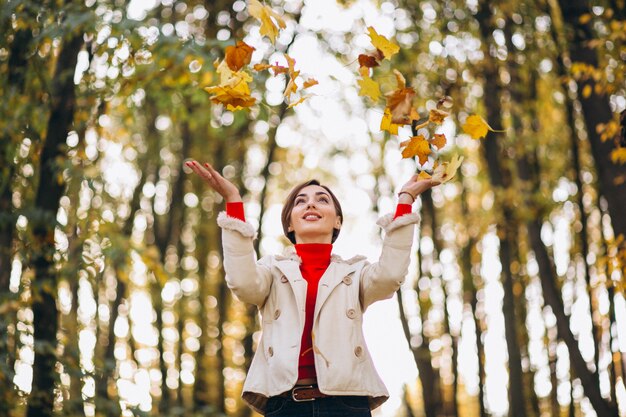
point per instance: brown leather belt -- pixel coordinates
(303, 393)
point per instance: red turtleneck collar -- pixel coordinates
(314, 255)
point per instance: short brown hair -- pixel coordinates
(285, 216)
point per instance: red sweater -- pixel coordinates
(315, 259)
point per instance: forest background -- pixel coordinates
(112, 297)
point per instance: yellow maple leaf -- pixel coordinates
(439, 141)
(387, 47)
(369, 88)
(476, 127)
(446, 171)
(234, 93)
(416, 146)
(385, 123)
(265, 14)
(618, 156)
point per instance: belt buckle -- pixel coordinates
(294, 390)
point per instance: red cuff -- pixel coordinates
(401, 210)
(235, 210)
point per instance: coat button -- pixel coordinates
(347, 280)
(358, 351)
(283, 279)
(351, 313)
(270, 350)
(276, 314)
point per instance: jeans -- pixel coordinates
(336, 406)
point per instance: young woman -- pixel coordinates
(312, 358)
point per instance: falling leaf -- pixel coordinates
(369, 88)
(436, 116)
(309, 83)
(367, 61)
(476, 127)
(300, 100)
(587, 91)
(386, 124)
(399, 101)
(416, 146)
(238, 56)
(387, 47)
(446, 171)
(439, 141)
(423, 175)
(265, 14)
(618, 156)
(293, 74)
(261, 67)
(233, 92)
(278, 69)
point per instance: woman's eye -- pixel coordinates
(324, 200)
(299, 201)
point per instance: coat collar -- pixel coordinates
(289, 254)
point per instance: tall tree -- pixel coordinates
(49, 191)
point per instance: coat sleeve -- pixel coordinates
(380, 280)
(250, 280)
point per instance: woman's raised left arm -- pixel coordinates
(380, 280)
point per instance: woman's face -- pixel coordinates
(314, 217)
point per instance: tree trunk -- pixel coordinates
(552, 297)
(429, 378)
(51, 184)
(16, 76)
(450, 406)
(470, 296)
(596, 111)
(499, 179)
(201, 386)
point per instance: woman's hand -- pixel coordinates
(415, 187)
(221, 185)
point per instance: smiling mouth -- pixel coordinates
(311, 217)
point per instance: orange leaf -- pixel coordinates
(238, 56)
(309, 83)
(436, 116)
(261, 67)
(439, 141)
(293, 74)
(367, 61)
(399, 101)
(417, 146)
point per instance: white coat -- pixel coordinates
(274, 283)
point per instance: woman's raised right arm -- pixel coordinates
(248, 279)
